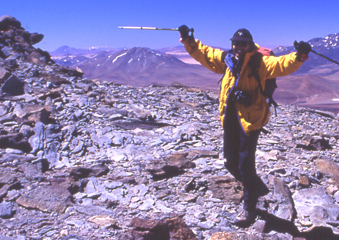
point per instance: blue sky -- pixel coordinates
(87, 23)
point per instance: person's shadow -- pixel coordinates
(283, 226)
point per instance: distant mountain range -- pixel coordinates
(66, 50)
(144, 66)
(328, 46)
(316, 82)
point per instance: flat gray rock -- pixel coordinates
(54, 198)
(6, 210)
(317, 206)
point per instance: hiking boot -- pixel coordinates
(245, 218)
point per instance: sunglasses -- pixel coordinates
(240, 43)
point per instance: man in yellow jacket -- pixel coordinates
(243, 107)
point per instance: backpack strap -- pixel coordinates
(254, 64)
(273, 84)
(228, 58)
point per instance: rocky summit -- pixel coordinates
(86, 159)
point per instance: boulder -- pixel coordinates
(316, 206)
(170, 167)
(6, 209)
(15, 141)
(226, 188)
(6, 21)
(13, 86)
(84, 172)
(35, 38)
(284, 207)
(329, 168)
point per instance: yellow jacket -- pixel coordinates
(257, 114)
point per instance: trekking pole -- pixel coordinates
(329, 59)
(296, 44)
(153, 28)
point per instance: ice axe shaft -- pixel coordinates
(148, 28)
(153, 28)
(329, 59)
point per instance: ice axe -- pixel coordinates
(329, 59)
(153, 28)
(319, 54)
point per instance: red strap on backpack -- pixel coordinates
(265, 51)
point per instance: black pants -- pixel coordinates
(239, 151)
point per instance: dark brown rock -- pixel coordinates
(15, 141)
(178, 229)
(24, 34)
(319, 144)
(304, 181)
(199, 153)
(226, 188)
(6, 21)
(133, 124)
(168, 229)
(21, 43)
(9, 34)
(329, 168)
(180, 160)
(35, 38)
(83, 172)
(52, 198)
(38, 58)
(316, 143)
(72, 72)
(225, 236)
(170, 167)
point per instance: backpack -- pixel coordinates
(254, 64)
(270, 84)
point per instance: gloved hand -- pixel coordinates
(303, 49)
(184, 33)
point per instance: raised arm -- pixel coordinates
(286, 64)
(211, 58)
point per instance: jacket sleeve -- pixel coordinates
(280, 66)
(209, 57)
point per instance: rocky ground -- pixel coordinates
(84, 159)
